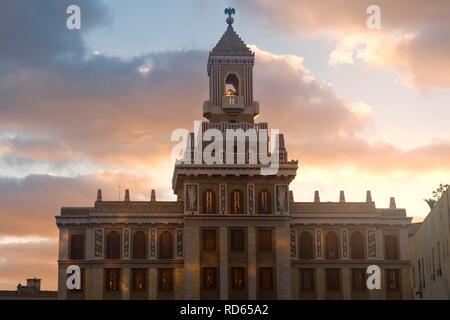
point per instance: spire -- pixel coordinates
(316, 196)
(341, 196)
(127, 195)
(99, 195)
(392, 204)
(368, 196)
(153, 196)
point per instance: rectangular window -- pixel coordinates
(391, 247)
(266, 278)
(165, 279)
(209, 278)
(237, 240)
(265, 240)
(112, 279)
(209, 240)
(307, 279)
(139, 279)
(238, 278)
(333, 280)
(359, 279)
(77, 247)
(392, 280)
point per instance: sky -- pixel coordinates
(89, 109)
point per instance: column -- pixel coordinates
(346, 284)
(152, 284)
(223, 263)
(320, 274)
(283, 262)
(63, 243)
(251, 263)
(62, 278)
(192, 262)
(94, 283)
(125, 289)
(179, 284)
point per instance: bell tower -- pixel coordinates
(230, 72)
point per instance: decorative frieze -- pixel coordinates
(281, 199)
(191, 198)
(98, 243)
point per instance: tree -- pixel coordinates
(437, 194)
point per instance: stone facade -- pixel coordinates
(233, 233)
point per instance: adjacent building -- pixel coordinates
(31, 291)
(233, 232)
(430, 262)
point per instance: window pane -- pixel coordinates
(307, 279)
(209, 278)
(265, 240)
(391, 247)
(139, 279)
(113, 245)
(333, 280)
(359, 279)
(209, 240)
(393, 280)
(165, 245)
(77, 247)
(139, 245)
(165, 279)
(112, 279)
(238, 278)
(357, 245)
(237, 239)
(266, 278)
(306, 246)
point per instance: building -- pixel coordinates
(430, 261)
(233, 233)
(32, 291)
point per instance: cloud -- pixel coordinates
(413, 39)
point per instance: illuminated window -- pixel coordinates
(139, 279)
(238, 278)
(357, 245)
(209, 240)
(113, 245)
(165, 279)
(165, 245)
(331, 245)
(264, 202)
(209, 278)
(209, 202)
(359, 279)
(112, 279)
(306, 246)
(333, 279)
(139, 245)
(264, 240)
(232, 85)
(266, 278)
(237, 240)
(307, 279)
(237, 202)
(77, 247)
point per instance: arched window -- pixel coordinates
(237, 202)
(165, 245)
(209, 202)
(357, 245)
(264, 202)
(113, 245)
(139, 245)
(232, 85)
(331, 245)
(306, 246)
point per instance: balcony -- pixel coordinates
(232, 103)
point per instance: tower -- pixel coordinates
(230, 72)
